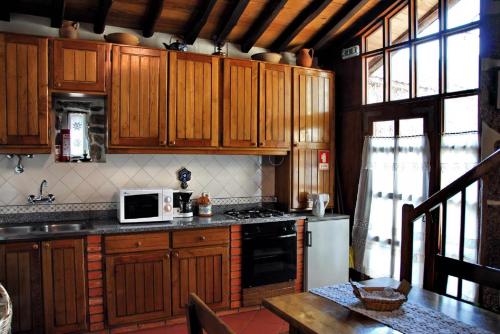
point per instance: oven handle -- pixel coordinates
(272, 237)
(309, 239)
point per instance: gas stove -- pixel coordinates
(254, 213)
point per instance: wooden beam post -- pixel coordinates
(302, 20)
(260, 25)
(102, 14)
(198, 22)
(152, 15)
(347, 11)
(231, 22)
(57, 17)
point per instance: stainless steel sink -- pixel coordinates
(63, 227)
(16, 229)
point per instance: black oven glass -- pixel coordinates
(141, 206)
(269, 253)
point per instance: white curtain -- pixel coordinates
(394, 171)
(459, 153)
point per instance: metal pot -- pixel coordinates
(176, 46)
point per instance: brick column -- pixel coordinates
(95, 283)
(235, 267)
(299, 282)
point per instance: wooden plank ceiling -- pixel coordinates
(273, 24)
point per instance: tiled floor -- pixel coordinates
(252, 322)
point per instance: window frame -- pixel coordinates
(441, 36)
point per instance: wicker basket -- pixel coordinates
(5, 311)
(376, 302)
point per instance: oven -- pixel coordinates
(269, 253)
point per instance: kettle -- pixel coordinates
(320, 201)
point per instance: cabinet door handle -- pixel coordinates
(167, 255)
(47, 245)
(261, 143)
(35, 246)
(172, 142)
(138, 244)
(203, 238)
(309, 239)
(176, 254)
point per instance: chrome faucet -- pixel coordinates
(32, 199)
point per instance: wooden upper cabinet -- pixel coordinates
(240, 103)
(275, 109)
(193, 100)
(64, 287)
(138, 287)
(138, 97)
(20, 274)
(313, 105)
(79, 66)
(24, 113)
(204, 271)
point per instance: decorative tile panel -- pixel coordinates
(221, 176)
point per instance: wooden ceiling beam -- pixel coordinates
(362, 24)
(238, 10)
(260, 25)
(198, 22)
(346, 12)
(102, 14)
(298, 24)
(57, 16)
(152, 15)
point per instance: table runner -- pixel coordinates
(409, 318)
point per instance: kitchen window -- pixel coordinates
(410, 53)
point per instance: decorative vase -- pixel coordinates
(69, 29)
(305, 57)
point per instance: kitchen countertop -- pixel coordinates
(112, 226)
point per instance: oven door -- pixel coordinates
(137, 206)
(269, 259)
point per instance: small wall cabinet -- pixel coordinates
(79, 66)
(138, 97)
(24, 94)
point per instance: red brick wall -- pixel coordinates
(235, 267)
(95, 283)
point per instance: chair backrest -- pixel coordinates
(200, 317)
(438, 267)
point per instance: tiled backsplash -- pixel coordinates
(220, 175)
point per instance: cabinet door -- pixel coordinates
(275, 109)
(240, 103)
(64, 287)
(79, 66)
(203, 271)
(193, 100)
(138, 287)
(313, 108)
(24, 112)
(308, 179)
(20, 275)
(138, 97)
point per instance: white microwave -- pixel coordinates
(145, 205)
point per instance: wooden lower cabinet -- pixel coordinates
(204, 271)
(20, 274)
(64, 286)
(138, 287)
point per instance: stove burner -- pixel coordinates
(254, 213)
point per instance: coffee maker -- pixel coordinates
(182, 203)
(182, 198)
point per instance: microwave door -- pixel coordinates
(142, 207)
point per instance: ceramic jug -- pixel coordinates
(69, 29)
(305, 57)
(320, 201)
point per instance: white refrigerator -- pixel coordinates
(326, 251)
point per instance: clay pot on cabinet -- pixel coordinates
(69, 29)
(305, 57)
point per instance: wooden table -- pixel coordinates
(308, 313)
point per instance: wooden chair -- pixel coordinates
(200, 317)
(437, 266)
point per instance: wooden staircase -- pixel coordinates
(437, 266)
